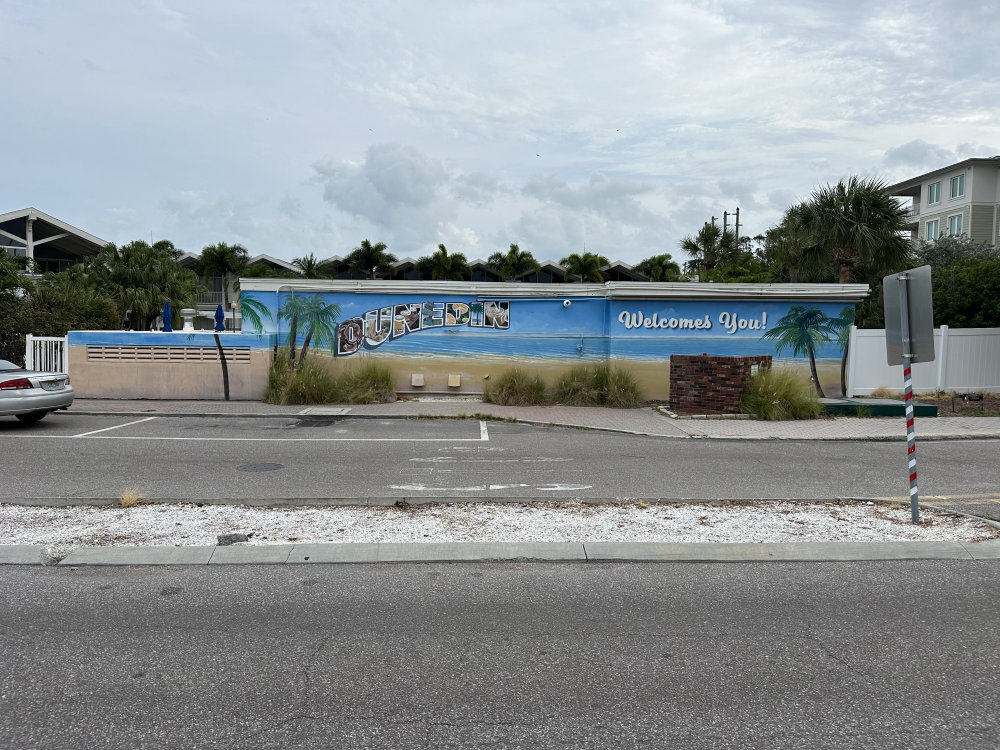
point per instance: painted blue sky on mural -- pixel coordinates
(555, 327)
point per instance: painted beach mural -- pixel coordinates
(475, 330)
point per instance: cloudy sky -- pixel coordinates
(612, 127)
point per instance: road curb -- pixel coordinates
(492, 552)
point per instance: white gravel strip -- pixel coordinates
(64, 529)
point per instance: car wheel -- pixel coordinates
(31, 417)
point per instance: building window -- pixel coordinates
(934, 192)
(955, 225)
(958, 186)
(932, 230)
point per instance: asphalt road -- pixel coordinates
(76, 456)
(836, 655)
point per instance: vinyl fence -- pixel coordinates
(965, 360)
(45, 353)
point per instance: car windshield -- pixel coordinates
(5, 366)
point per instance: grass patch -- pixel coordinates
(516, 387)
(315, 383)
(884, 392)
(131, 497)
(779, 394)
(598, 385)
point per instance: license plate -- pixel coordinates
(53, 385)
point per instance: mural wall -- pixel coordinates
(438, 335)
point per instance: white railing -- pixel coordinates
(45, 353)
(965, 360)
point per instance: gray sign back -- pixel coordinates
(920, 314)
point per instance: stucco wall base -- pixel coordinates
(167, 380)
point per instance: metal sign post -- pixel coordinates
(906, 344)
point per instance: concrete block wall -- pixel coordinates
(710, 385)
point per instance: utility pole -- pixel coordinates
(737, 224)
(725, 221)
(714, 219)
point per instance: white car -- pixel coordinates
(30, 395)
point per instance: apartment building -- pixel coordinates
(960, 199)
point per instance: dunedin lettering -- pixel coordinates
(372, 329)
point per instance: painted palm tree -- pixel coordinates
(841, 326)
(660, 268)
(445, 266)
(318, 318)
(371, 260)
(226, 261)
(584, 266)
(254, 311)
(709, 248)
(858, 222)
(803, 330)
(513, 263)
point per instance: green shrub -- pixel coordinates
(314, 383)
(779, 394)
(598, 385)
(515, 387)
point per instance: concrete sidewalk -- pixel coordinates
(643, 421)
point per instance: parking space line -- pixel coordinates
(94, 432)
(484, 436)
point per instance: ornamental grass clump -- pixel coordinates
(779, 394)
(313, 382)
(598, 385)
(367, 383)
(516, 387)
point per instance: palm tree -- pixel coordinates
(313, 268)
(709, 248)
(370, 259)
(857, 222)
(139, 278)
(513, 263)
(802, 330)
(791, 243)
(585, 267)
(223, 260)
(841, 325)
(318, 318)
(660, 268)
(255, 311)
(442, 266)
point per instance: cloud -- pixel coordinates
(919, 154)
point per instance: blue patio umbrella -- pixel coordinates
(220, 319)
(167, 316)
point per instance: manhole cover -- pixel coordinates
(260, 467)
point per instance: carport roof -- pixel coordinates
(48, 231)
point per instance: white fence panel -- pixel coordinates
(46, 353)
(965, 359)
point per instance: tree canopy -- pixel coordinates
(513, 263)
(858, 223)
(660, 268)
(444, 266)
(584, 267)
(139, 278)
(371, 259)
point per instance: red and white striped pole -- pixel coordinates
(911, 442)
(911, 436)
